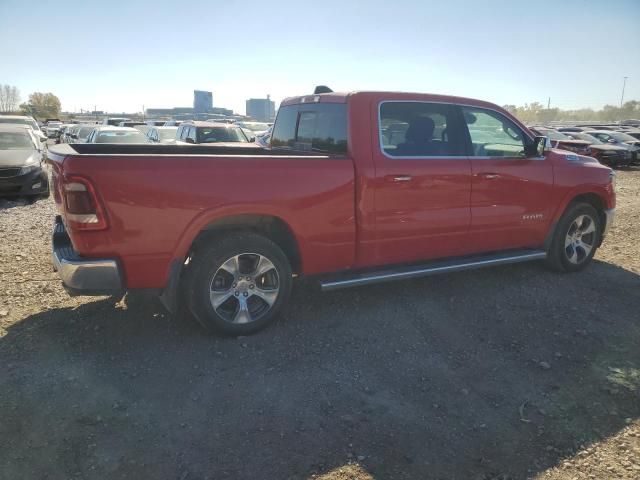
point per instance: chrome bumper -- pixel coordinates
(610, 216)
(82, 276)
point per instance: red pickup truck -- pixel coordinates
(355, 188)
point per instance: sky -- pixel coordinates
(119, 55)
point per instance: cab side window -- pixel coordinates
(316, 127)
(421, 129)
(493, 135)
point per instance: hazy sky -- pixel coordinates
(120, 55)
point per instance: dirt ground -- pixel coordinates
(506, 373)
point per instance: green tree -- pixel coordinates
(42, 105)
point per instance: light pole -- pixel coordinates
(624, 84)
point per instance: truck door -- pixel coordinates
(423, 182)
(511, 194)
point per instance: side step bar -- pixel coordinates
(431, 268)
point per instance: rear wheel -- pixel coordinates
(576, 239)
(239, 284)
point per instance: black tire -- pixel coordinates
(559, 257)
(206, 268)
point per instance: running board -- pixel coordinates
(432, 268)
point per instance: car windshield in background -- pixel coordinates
(20, 121)
(254, 127)
(587, 137)
(553, 135)
(121, 137)
(167, 133)
(84, 132)
(15, 141)
(622, 137)
(220, 134)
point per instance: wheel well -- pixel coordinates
(595, 201)
(274, 228)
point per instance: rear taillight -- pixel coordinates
(81, 205)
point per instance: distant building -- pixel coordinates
(202, 101)
(261, 109)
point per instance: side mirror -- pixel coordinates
(252, 139)
(539, 147)
(611, 140)
(190, 140)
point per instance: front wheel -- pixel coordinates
(238, 284)
(576, 239)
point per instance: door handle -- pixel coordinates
(398, 178)
(489, 176)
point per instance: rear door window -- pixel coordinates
(421, 129)
(315, 127)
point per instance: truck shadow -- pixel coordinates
(472, 375)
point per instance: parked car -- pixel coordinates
(209, 132)
(63, 131)
(52, 129)
(80, 133)
(21, 155)
(172, 123)
(109, 134)
(605, 153)
(114, 121)
(155, 123)
(24, 120)
(560, 140)
(253, 129)
(635, 133)
(334, 198)
(131, 124)
(571, 129)
(619, 140)
(264, 139)
(166, 135)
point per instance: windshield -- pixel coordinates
(119, 136)
(220, 134)
(20, 121)
(587, 137)
(84, 132)
(622, 137)
(254, 126)
(553, 135)
(15, 141)
(167, 133)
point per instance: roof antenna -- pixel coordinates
(322, 89)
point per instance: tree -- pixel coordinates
(42, 105)
(9, 98)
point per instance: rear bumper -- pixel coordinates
(610, 216)
(83, 276)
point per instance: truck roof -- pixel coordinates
(343, 97)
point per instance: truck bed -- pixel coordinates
(158, 198)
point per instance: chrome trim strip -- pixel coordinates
(610, 216)
(423, 272)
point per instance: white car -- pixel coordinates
(253, 129)
(165, 135)
(25, 120)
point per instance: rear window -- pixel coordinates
(312, 128)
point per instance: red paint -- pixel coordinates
(344, 212)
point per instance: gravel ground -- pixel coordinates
(507, 373)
